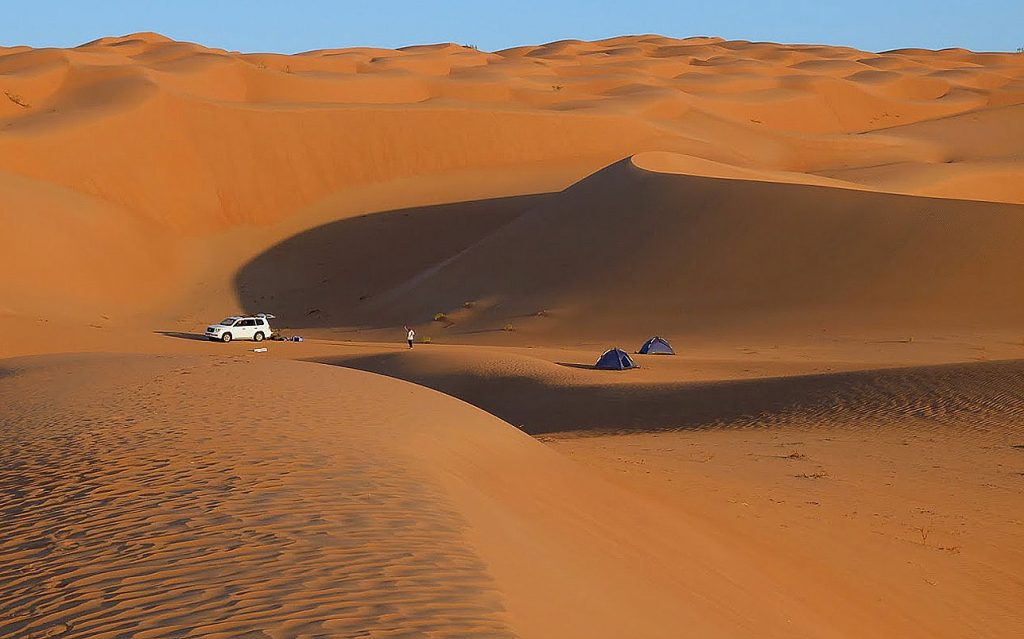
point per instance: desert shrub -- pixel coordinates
(821, 474)
(468, 304)
(440, 317)
(508, 328)
(426, 340)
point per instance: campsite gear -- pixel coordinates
(296, 338)
(259, 350)
(657, 346)
(615, 359)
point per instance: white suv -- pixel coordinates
(256, 328)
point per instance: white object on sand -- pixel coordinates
(259, 350)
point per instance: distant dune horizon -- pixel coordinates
(157, 35)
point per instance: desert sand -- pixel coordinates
(830, 238)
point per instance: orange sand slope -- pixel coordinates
(375, 509)
(141, 499)
(923, 514)
(188, 163)
(686, 392)
(628, 251)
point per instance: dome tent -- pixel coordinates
(657, 346)
(615, 360)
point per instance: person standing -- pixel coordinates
(411, 337)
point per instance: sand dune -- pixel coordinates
(629, 251)
(923, 514)
(541, 396)
(384, 508)
(830, 236)
(246, 529)
(53, 237)
(197, 141)
(914, 469)
(332, 501)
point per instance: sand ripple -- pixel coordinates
(129, 510)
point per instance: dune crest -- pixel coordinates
(383, 508)
(195, 145)
(679, 164)
(629, 249)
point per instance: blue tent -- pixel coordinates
(657, 346)
(615, 360)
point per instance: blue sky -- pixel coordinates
(289, 27)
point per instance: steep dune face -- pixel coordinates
(325, 276)
(190, 144)
(631, 251)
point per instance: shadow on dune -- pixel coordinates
(180, 335)
(977, 392)
(328, 275)
(635, 251)
(588, 367)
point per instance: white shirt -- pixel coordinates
(412, 335)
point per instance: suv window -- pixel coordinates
(260, 322)
(248, 322)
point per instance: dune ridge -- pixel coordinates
(332, 501)
(629, 251)
(217, 533)
(564, 398)
(377, 510)
(186, 147)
